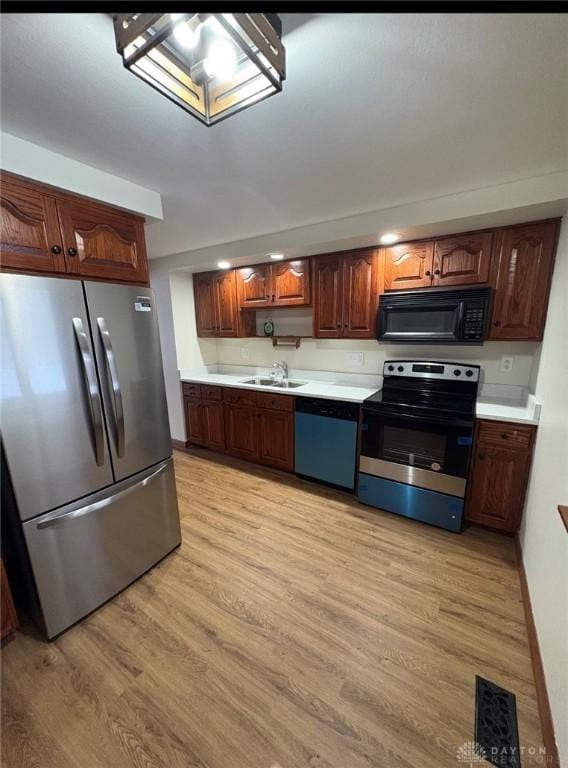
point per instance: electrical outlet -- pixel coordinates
(506, 364)
(244, 353)
(355, 359)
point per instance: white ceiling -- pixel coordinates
(377, 110)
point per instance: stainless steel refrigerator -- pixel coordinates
(85, 437)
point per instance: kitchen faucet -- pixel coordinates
(281, 370)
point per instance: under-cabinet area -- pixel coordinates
(343, 289)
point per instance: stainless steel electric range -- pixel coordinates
(416, 441)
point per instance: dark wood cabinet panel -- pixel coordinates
(499, 474)
(290, 283)
(212, 416)
(462, 260)
(204, 291)
(522, 272)
(276, 439)
(102, 242)
(226, 304)
(254, 289)
(359, 295)
(407, 265)
(241, 432)
(30, 237)
(194, 421)
(328, 296)
(8, 617)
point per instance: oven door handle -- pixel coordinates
(450, 420)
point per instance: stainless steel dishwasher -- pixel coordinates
(326, 440)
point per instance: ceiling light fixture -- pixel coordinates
(389, 238)
(224, 264)
(211, 65)
(276, 256)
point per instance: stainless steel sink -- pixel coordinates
(285, 384)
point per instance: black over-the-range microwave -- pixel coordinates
(434, 316)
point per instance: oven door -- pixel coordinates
(426, 451)
(420, 321)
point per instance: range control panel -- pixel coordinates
(431, 370)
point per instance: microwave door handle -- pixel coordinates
(461, 313)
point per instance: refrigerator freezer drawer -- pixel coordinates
(84, 553)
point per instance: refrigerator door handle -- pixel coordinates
(90, 376)
(81, 511)
(118, 410)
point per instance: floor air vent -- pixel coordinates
(496, 727)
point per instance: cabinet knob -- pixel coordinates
(497, 323)
(339, 325)
(504, 435)
(72, 251)
(56, 249)
(436, 271)
(273, 296)
(427, 273)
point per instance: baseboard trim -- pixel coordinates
(179, 445)
(546, 722)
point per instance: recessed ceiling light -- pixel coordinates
(276, 256)
(224, 264)
(389, 238)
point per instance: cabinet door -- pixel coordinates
(194, 421)
(291, 283)
(204, 288)
(462, 260)
(226, 304)
(213, 424)
(524, 259)
(359, 295)
(328, 296)
(241, 428)
(30, 237)
(276, 439)
(254, 286)
(499, 474)
(408, 265)
(102, 242)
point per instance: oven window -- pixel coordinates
(426, 450)
(422, 322)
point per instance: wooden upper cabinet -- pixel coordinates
(328, 296)
(290, 283)
(102, 242)
(226, 304)
(521, 275)
(406, 266)
(29, 229)
(462, 260)
(253, 284)
(286, 284)
(499, 474)
(359, 294)
(204, 291)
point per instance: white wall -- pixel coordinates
(35, 162)
(543, 537)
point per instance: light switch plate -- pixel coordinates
(506, 364)
(355, 359)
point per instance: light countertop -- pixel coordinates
(356, 388)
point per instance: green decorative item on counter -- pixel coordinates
(269, 327)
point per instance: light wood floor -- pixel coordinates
(293, 628)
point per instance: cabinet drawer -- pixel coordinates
(211, 393)
(275, 402)
(239, 396)
(191, 390)
(505, 435)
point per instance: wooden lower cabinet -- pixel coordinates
(499, 474)
(251, 425)
(9, 617)
(241, 427)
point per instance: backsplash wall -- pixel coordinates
(331, 355)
